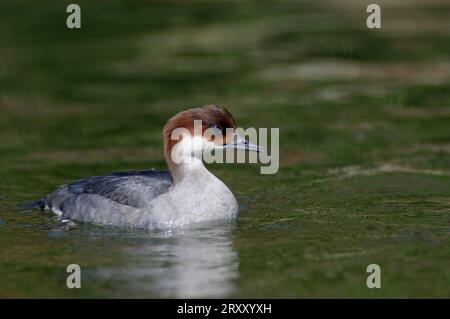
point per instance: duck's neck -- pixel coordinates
(190, 169)
(184, 166)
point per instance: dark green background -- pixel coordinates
(364, 118)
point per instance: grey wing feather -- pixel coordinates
(126, 188)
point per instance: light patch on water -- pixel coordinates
(434, 148)
(315, 70)
(192, 263)
(416, 112)
(293, 157)
(342, 70)
(355, 171)
(333, 256)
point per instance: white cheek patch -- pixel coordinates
(190, 148)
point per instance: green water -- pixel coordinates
(364, 118)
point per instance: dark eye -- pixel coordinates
(216, 126)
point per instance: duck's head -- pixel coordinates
(201, 129)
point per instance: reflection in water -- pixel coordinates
(192, 263)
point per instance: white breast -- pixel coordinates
(200, 197)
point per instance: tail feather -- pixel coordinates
(40, 203)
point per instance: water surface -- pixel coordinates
(364, 120)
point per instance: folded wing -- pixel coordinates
(132, 189)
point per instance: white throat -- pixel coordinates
(187, 157)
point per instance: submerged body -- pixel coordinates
(187, 194)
